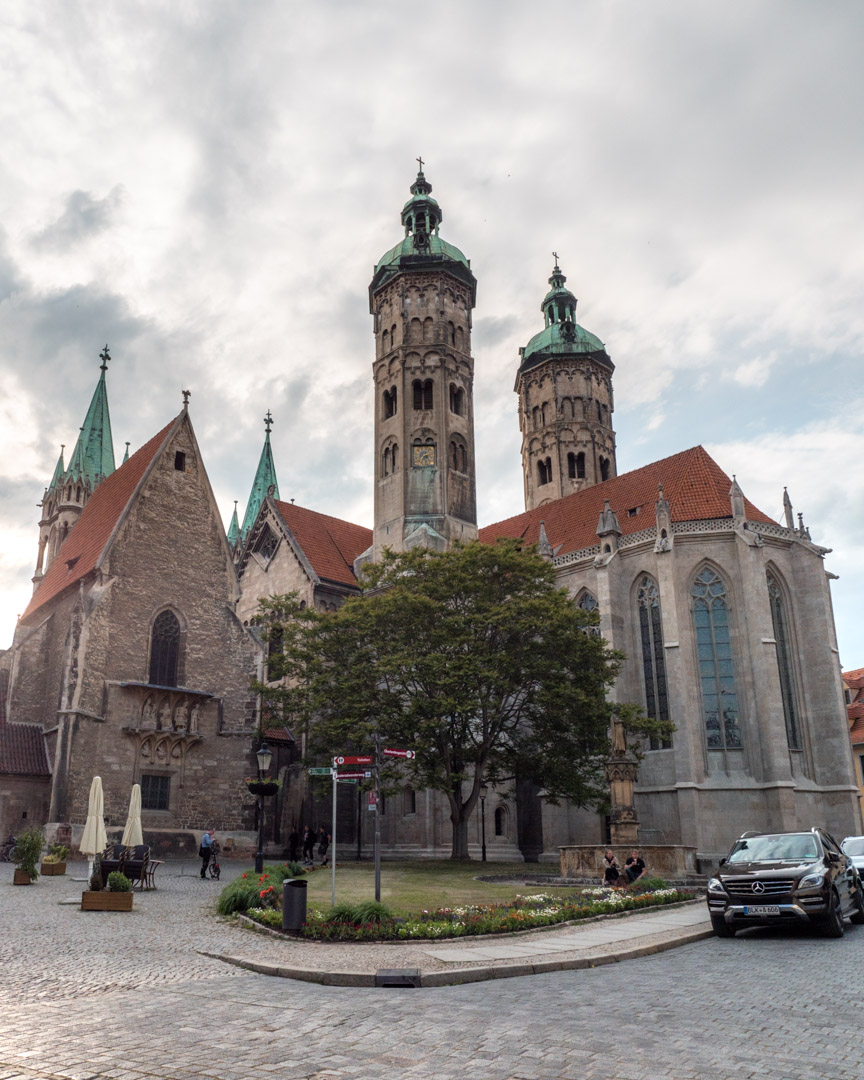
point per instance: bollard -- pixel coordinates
(293, 904)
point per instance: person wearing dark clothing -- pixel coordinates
(323, 844)
(205, 851)
(634, 867)
(293, 844)
(308, 844)
(612, 870)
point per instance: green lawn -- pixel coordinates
(414, 886)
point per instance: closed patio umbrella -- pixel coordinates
(132, 832)
(94, 838)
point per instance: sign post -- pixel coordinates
(377, 818)
(334, 775)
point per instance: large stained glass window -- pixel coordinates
(784, 663)
(653, 659)
(719, 698)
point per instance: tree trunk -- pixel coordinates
(459, 821)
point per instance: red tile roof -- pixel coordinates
(856, 716)
(22, 750)
(83, 548)
(330, 544)
(694, 484)
(854, 679)
(278, 734)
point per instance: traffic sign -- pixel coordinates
(356, 759)
(348, 780)
(353, 775)
(408, 754)
(319, 771)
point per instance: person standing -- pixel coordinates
(293, 844)
(308, 845)
(206, 849)
(323, 844)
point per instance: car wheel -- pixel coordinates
(858, 902)
(832, 926)
(721, 927)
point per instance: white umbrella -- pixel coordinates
(95, 838)
(132, 832)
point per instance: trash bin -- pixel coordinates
(293, 904)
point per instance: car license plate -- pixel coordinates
(762, 909)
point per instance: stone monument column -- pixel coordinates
(621, 773)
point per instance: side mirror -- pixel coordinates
(833, 857)
(722, 861)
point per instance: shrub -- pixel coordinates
(648, 884)
(58, 852)
(27, 850)
(118, 882)
(245, 891)
(96, 876)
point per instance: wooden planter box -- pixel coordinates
(52, 869)
(106, 901)
(21, 878)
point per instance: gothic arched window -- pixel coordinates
(588, 602)
(784, 662)
(719, 697)
(389, 402)
(653, 659)
(500, 821)
(164, 649)
(457, 400)
(604, 468)
(544, 471)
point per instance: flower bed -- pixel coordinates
(523, 913)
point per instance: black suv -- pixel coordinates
(794, 877)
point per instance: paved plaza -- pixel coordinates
(130, 997)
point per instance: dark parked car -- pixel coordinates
(785, 878)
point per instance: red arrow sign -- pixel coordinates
(398, 753)
(356, 759)
(353, 775)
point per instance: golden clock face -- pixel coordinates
(424, 456)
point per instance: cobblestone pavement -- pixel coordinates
(766, 1005)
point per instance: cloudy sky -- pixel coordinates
(207, 186)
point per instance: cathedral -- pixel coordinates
(134, 657)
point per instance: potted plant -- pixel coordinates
(54, 862)
(25, 855)
(264, 786)
(117, 897)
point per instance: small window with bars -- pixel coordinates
(155, 792)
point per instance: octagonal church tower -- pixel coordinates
(564, 385)
(421, 297)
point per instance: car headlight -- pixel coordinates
(715, 885)
(811, 881)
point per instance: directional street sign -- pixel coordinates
(356, 759)
(354, 775)
(348, 780)
(398, 753)
(319, 771)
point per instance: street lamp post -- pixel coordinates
(484, 791)
(264, 756)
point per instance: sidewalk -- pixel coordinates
(607, 940)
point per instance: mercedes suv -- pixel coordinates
(783, 878)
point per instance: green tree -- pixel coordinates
(474, 658)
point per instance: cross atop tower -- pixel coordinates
(420, 161)
(268, 422)
(555, 257)
(104, 357)
(186, 395)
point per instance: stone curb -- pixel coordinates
(458, 976)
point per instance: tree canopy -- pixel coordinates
(472, 657)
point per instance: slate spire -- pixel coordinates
(265, 478)
(234, 527)
(93, 457)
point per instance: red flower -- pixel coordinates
(245, 875)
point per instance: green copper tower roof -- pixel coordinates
(562, 335)
(234, 527)
(93, 457)
(422, 248)
(59, 472)
(265, 478)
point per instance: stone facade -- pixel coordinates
(88, 646)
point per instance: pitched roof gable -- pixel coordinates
(694, 484)
(856, 720)
(330, 544)
(85, 544)
(22, 750)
